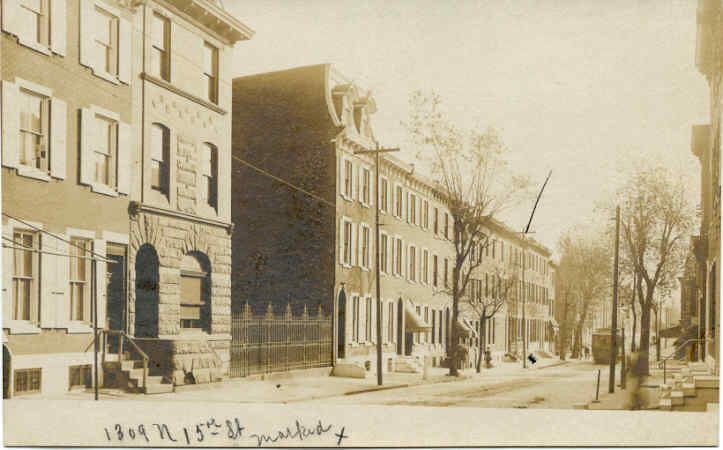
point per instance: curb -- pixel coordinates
(561, 363)
(375, 389)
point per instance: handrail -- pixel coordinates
(665, 360)
(122, 334)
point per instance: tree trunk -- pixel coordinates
(635, 327)
(454, 360)
(482, 342)
(644, 359)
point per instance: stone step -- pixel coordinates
(136, 373)
(677, 398)
(688, 389)
(666, 404)
(158, 388)
(138, 381)
(706, 381)
(131, 364)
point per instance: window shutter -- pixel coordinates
(58, 131)
(341, 241)
(62, 281)
(58, 18)
(87, 138)
(7, 268)
(10, 119)
(124, 51)
(409, 198)
(48, 281)
(101, 283)
(353, 244)
(11, 17)
(88, 52)
(124, 158)
(362, 320)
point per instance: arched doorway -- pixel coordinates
(341, 325)
(146, 318)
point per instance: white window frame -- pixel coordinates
(425, 214)
(384, 252)
(20, 326)
(365, 251)
(350, 195)
(412, 263)
(398, 252)
(399, 201)
(343, 236)
(412, 213)
(213, 76)
(365, 169)
(165, 52)
(90, 54)
(384, 203)
(424, 267)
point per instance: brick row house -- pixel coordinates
(115, 150)
(309, 240)
(706, 145)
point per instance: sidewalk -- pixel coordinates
(296, 389)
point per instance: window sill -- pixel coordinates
(344, 196)
(364, 269)
(78, 328)
(31, 172)
(103, 189)
(106, 76)
(21, 327)
(346, 265)
(365, 205)
(40, 48)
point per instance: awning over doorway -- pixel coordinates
(413, 321)
(466, 328)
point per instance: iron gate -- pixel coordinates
(272, 343)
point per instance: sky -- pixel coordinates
(583, 88)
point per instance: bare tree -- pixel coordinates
(584, 274)
(471, 173)
(486, 300)
(660, 218)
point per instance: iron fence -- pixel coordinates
(279, 343)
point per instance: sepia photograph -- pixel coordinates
(287, 223)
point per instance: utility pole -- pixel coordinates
(376, 153)
(94, 297)
(614, 324)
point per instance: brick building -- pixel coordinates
(66, 133)
(706, 145)
(116, 151)
(305, 226)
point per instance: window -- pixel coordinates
(365, 246)
(106, 40)
(446, 226)
(366, 180)
(25, 272)
(426, 320)
(425, 214)
(436, 220)
(472, 248)
(369, 319)
(346, 255)
(209, 170)
(194, 295)
(494, 248)
(104, 151)
(348, 170)
(434, 269)
(210, 71)
(412, 209)
(425, 266)
(398, 256)
(160, 41)
(79, 277)
(160, 157)
(28, 381)
(33, 151)
(80, 376)
(383, 245)
(355, 318)
(446, 263)
(34, 18)
(390, 323)
(384, 195)
(502, 250)
(412, 263)
(487, 285)
(399, 199)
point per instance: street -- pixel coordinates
(558, 387)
